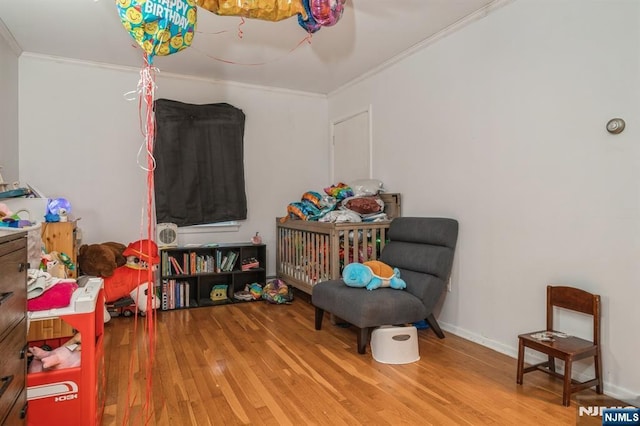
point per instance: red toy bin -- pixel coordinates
(73, 396)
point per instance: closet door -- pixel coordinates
(351, 148)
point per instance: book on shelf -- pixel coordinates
(228, 261)
(163, 263)
(166, 294)
(165, 300)
(185, 262)
(193, 262)
(234, 260)
(176, 266)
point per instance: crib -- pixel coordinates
(308, 252)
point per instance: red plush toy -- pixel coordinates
(141, 256)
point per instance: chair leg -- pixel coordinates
(433, 324)
(598, 370)
(319, 317)
(566, 390)
(520, 362)
(363, 339)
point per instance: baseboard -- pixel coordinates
(610, 389)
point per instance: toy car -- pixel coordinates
(123, 307)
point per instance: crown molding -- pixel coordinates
(126, 68)
(456, 26)
(8, 37)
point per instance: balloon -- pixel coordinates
(309, 23)
(268, 10)
(326, 12)
(58, 205)
(160, 27)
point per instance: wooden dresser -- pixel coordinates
(13, 327)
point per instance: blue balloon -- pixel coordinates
(57, 206)
(310, 25)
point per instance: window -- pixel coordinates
(199, 176)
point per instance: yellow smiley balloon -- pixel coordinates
(160, 27)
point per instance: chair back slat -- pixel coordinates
(572, 298)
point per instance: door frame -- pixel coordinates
(369, 111)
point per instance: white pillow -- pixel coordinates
(366, 187)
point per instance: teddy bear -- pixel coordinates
(131, 279)
(101, 260)
(372, 275)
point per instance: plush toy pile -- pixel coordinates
(124, 270)
(357, 202)
(278, 292)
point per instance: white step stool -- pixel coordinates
(395, 345)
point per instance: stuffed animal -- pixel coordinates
(53, 265)
(131, 279)
(101, 260)
(372, 275)
(140, 296)
(66, 356)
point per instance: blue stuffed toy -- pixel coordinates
(372, 275)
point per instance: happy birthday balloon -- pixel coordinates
(160, 27)
(268, 10)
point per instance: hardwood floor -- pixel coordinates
(256, 363)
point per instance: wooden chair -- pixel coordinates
(559, 345)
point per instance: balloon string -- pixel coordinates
(146, 97)
(215, 33)
(240, 32)
(251, 64)
(147, 89)
(149, 97)
(145, 92)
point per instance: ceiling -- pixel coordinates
(369, 34)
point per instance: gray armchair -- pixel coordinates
(422, 249)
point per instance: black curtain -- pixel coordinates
(199, 175)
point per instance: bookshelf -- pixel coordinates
(209, 275)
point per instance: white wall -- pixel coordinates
(79, 139)
(8, 112)
(502, 126)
